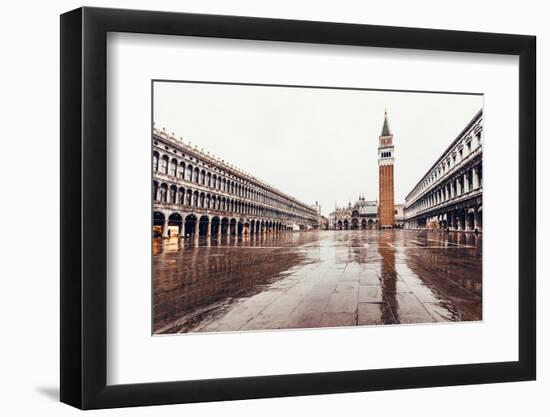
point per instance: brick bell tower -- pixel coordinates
(386, 213)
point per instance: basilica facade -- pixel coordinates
(363, 214)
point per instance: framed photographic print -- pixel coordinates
(258, 207)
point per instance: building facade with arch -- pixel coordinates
(450, 195)
(198, 194)
(362, 214)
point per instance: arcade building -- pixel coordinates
(450, 194)
(197, 194)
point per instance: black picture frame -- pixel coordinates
(84, 207)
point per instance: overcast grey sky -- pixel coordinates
(315, 144)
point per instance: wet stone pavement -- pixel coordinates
(316, 279)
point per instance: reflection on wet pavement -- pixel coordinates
(316, 279)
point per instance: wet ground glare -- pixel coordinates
(316, 279)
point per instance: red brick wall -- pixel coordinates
(386, 210)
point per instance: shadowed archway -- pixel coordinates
(190, 225)
(204, 223)
(158, 223)
(175, 222)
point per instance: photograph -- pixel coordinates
(299, 207)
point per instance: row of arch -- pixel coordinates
(173, 194)
(462, 219)
(453, 187)
(195, 225)
(355, 224)
(191, 173)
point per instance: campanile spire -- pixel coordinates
(385, 127)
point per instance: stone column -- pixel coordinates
(209, 228)
(197, 223)
(475, 179)
(165, 229)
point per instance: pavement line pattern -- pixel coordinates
(317, 279)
